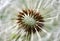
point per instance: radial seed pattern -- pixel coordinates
(28, 19)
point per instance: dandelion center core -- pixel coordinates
(29, 19)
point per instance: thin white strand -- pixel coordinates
(43, 29)
(11, 27)
(47, 3)
(50, 18)
(49, 12)
(28, 14)
(39, 5)
(48, 34)
(53, 1)
(39, 37)
(31, 35)
(36, 3)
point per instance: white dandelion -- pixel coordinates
(29, 20)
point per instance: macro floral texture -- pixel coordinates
(18, 20)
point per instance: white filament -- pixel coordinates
(31, 35)
(39, 37)
(39, 5)
(43, 29)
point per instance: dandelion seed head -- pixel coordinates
(29, 20)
